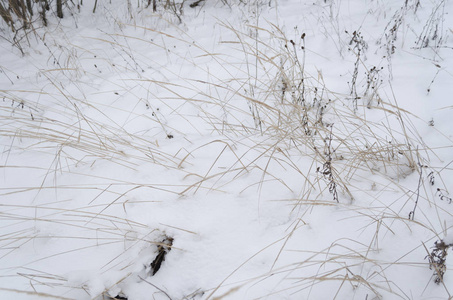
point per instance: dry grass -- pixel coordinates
(268, 114)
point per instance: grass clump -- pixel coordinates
(256, 121)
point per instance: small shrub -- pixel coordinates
(437, 260)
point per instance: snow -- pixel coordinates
(124, 127)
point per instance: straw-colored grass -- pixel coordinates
(271, 121)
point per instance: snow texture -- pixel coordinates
(288, 150)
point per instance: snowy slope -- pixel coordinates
(287, 149)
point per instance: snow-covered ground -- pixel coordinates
(284, 149)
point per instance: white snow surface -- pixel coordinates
(235, 132)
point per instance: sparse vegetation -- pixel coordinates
(437, 260)
(253, 160)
